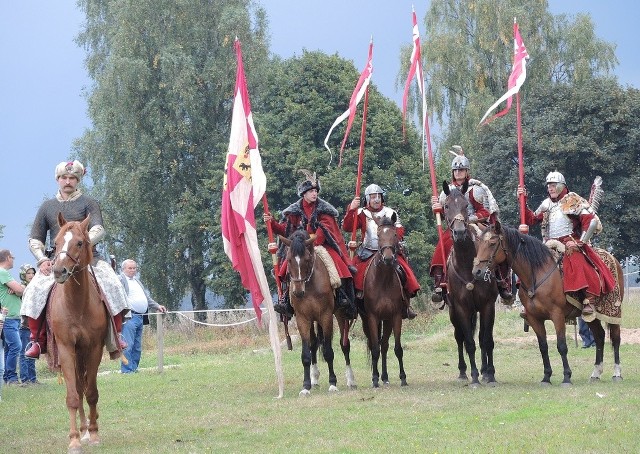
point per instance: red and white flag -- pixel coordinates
(517, 77)
(356, 96)
(415, 70)
(244, 185)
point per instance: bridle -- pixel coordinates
(308, 278)
(77, 267)
(489, 262)
(394, 250)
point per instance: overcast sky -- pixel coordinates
(43, 78)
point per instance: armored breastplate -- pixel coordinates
(559, 223)
(371, 234)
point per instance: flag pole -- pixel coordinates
(352, 243)
(523, 228)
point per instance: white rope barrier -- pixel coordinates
(215, 325)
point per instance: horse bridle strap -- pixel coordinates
(457, 217)
(308, 278)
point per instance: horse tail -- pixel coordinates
(320, 338)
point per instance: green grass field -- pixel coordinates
(217, 394)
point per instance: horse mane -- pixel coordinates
(531, 249)
(298, 239)
(386, 220)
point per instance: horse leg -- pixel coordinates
(68, 366)
(598, 336)
(345, 346)
(328, 355)
(384, 350)
(462, 365)
(541, 334)
(374, 348)
(305, 356)
(92, 394)
(314, 345)
(470, 346)
(397, 334)
(614, 334)
(485, 338)
(563, 350)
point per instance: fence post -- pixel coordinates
(160, 333)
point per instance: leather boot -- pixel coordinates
(587, 307)
(283, 306)
(36, 338)
(408, 312)
(438, 297)
(345, 298)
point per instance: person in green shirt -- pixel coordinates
(10, 292)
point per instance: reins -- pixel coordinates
(308, 278)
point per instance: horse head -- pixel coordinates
(455, 210)
(490, 252)
(387, 239)
(300, 260)
(73, 248)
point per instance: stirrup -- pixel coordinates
(436, 296)
(587, 309)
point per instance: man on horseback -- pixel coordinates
(569, 222)
(363, 219)
(319, 218)
(75, 206)
(482, 209)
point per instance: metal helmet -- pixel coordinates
(460, 161)
(558, 179)
(373, 189)
(555, 177)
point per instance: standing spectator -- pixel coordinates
(10, 292)
(27, 365)
(3, 313)
(140, 301)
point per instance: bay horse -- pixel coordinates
(312, 297)
(384, 300)
(79, 321)
(542, 294)
(467, 297)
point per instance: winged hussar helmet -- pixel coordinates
(310, 182)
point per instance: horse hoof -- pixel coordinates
(616, 378)
(545, 383)
(492, 384)
(566, 384)
(333, 389)
(594, 379)
(474, 385)
(304, 393)
(404, 383)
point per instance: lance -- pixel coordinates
(352, 243)
(272, 247)
(523, 228)
(434, 190)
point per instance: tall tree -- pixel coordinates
(163, 76)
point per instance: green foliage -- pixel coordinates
(164, 74)
(580, 131)
(302, 96)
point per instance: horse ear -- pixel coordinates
(85, 223)
(465, 186)
(285, 240)
(61, 220)
(309, 242)
(497, 227)
(445, 187)
(394, 217)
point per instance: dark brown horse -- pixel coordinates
(384, 300)
(468, 297)
(312, 298)
(79, 321)
(542, 294)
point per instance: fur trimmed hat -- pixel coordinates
(310, 182)
(74, 168)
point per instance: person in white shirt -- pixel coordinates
(140, 302)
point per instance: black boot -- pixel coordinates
(345, 298)
(408, 312)
(439, 295)
(283, 306)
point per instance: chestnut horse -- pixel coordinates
(79, 321)
(384, 300)
(542, 294)
(312, 298)
(468, 298)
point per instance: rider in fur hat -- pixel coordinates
(317, 217)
